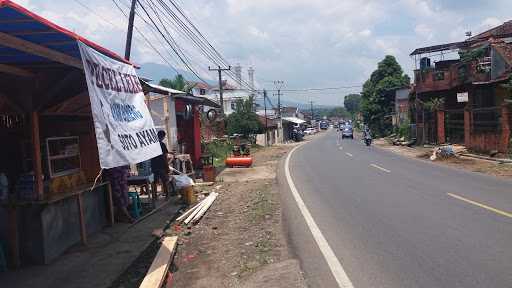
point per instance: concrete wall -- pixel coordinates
(271, 137)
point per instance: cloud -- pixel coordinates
(306, 43)
(257, 32)
(490, 22)
(424, 31)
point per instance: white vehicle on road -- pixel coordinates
(309, 131)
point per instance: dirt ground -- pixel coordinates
(462, 162)
(240, 241)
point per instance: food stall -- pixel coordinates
(49, 159)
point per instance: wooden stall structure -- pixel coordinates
(188, 119)
(179, 115)
(48, 153)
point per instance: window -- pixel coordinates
(63, 156)
(202, 91)
(233, 105)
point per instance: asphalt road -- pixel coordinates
(397, 222)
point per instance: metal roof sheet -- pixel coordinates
(19, 22)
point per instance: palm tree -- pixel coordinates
(177, 83)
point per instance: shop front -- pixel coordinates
(49, 164)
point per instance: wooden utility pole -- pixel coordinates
(129, 34)
(221, 89)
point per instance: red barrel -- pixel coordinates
(238, 161)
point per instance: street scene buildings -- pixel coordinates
(255, 144)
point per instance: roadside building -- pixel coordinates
(461, 97)
(401, 107)
(49, 150)
(271, 133)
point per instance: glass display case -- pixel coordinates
(63, 156)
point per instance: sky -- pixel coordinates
(305, 43)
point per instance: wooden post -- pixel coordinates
(505, 129)
(166, 119)
(83, 232)
(110, 205)
(36, 157)
(467, 127)
(13, 237)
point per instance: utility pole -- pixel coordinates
(312, 116)
(266, 123)
(131, 18)
(279, 85)
(221, 89)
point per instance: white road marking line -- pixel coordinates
(380, 168)
(332, 261)
(348, 154)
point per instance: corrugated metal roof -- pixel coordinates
(159, 89)
(19, 22)
(294, 120)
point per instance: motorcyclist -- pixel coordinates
(367, 136)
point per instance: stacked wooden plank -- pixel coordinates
(194, 214)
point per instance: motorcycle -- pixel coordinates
(368, 142)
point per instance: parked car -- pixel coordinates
(309, 131)
(347, 132)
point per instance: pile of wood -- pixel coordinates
(157, 273)
(194, 214)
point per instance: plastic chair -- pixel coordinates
(136, 206)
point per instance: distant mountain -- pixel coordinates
(156, 72)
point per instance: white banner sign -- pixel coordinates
(124, 128)
(462, 97)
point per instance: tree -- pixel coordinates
(177, 83)
(244, 120)
(352, 103)
(378, 93)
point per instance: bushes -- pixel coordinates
(404, 130)
(219, 149)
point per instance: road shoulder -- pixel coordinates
(501, 170)
(240, 242)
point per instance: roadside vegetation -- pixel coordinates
(376, 98)
(219, 149)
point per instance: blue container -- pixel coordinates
(136, 206)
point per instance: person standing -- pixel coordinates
(160, 165)
(118, 178)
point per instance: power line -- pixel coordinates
(200, 41)
(146, 41)
(167, 40)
